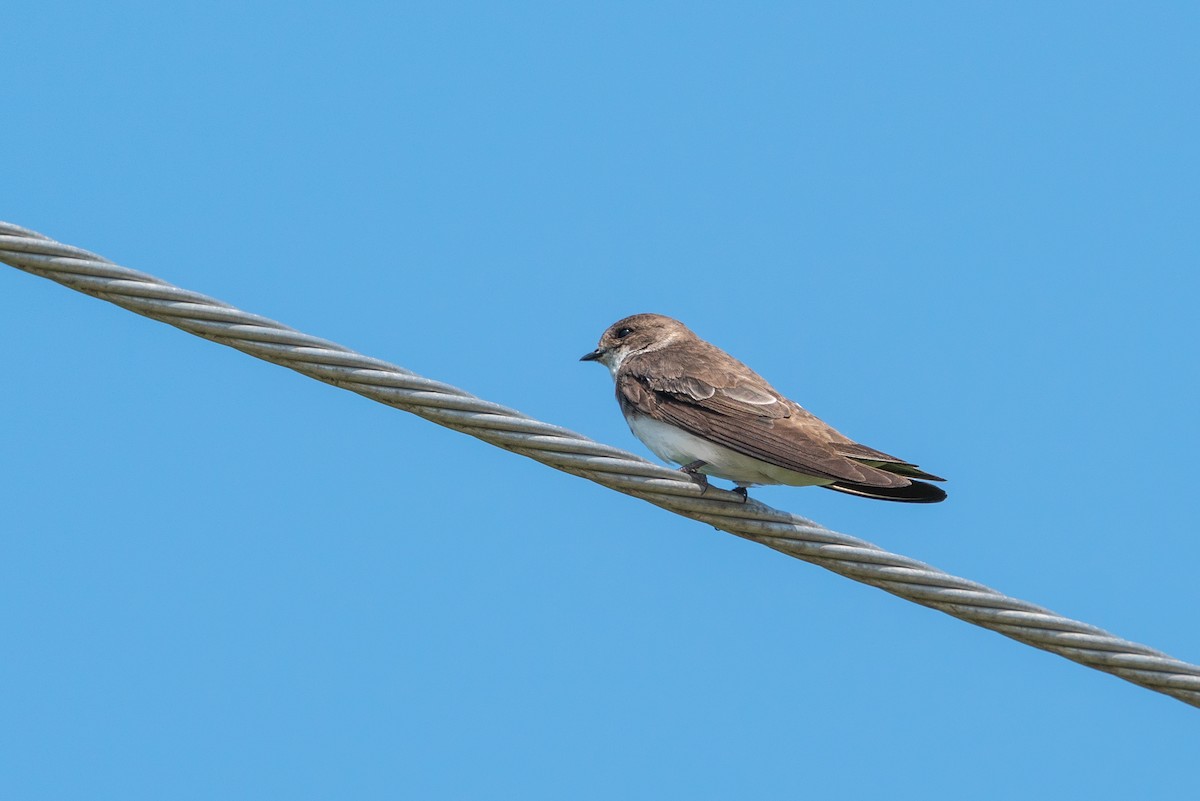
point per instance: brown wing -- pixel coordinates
(726, 402)
(874, 458)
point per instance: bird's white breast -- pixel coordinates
(682, 447)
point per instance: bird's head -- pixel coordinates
(637, 334)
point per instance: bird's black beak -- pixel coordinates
(593, 356)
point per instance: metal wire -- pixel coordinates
(603, 464)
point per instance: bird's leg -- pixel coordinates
(743, 492)
(692, 469)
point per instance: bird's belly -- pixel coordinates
(676, 445)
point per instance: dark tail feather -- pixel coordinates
(907, 470)
(915, 492)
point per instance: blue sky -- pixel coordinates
(961, 233)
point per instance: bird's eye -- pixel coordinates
(623, 332)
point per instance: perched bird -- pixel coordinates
(693, 404)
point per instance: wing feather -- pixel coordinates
(736, 408)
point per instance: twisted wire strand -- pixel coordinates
(611, 467)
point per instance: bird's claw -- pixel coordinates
(692, 470)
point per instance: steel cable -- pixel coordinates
(611, 467)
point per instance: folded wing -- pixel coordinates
(741, 411)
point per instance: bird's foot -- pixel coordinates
(743, 492)
(692, 470)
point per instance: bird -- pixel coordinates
(693, 404)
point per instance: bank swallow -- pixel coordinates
(693, 404)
